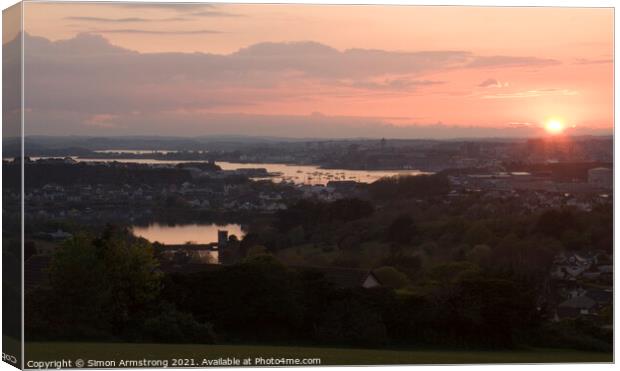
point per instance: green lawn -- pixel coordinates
(328, 356)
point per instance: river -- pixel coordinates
(298, 174)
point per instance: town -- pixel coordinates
(315, 184)
(547, 219)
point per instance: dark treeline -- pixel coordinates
(403, 187)
(307, 212)
(38, 175)
(262, 300)
(429, 225)
(459, 304)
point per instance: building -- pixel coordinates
(601, 296)
(602, 177)
(575, 307)
(60, 235)
(222, 239)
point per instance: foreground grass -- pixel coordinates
(329, 356)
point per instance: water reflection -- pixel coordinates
(297, 174)
(136, 151)
(181, 234)
(314, 175)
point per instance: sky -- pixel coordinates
(316, 70)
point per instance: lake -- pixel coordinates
(194, 233)
(297, 174)
(180, 234)
(314, 175)
(136, 151)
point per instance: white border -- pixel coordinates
(506, 3)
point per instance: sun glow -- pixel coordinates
(554, 126)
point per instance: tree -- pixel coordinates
(479, 254)
(256, 250)
(409, 264)
(348, 209)
(526, 259)
(106, 281)
(30, 249)
(391, 277)
(449, 272)
(254, 300)
(350, 321)
(402, 230)
(297, 235)
(574, 240)
(350, 242)
(402, 187)
(477, 234)
(554, 222)
(168, 325)
(486, 310)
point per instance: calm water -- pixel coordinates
(180, 234)
(309, 174)
(136, 151)
(127, 160)
(298, 174)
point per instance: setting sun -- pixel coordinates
(554, 126)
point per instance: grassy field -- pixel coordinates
(328, 356)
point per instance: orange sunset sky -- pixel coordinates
(316, 70)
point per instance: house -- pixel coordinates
(591, 273)
(575, 307)
(571, 266)
(371, 281)
(574, 292)
(601, 177)
(601, 296)
(60, 235)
